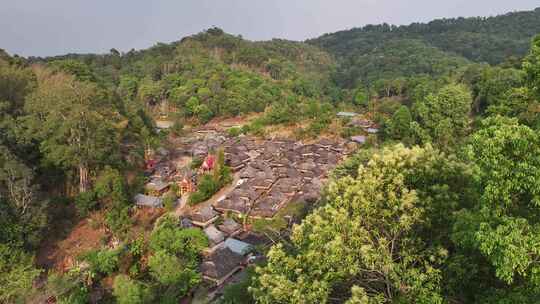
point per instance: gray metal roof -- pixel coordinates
(148, 201)
(361, 139)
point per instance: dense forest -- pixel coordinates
(441, 206)
(386, 51)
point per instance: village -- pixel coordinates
(267, 175)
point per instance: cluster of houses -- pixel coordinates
(231, 247)
(268, 175)
(355, 120)
(275, 172)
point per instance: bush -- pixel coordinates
(256, 127)
(238, 293)
(169, 201)
(207, 186)
(165, 268)
(128, 291)
(245, 129)
(204, 114)
(234, 131)
(118, 220)
(195, 198)
(103, 262)
(196, 163)
(177, 128)
(178, 242)
(86, 202)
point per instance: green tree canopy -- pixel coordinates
(377, 240)
(73, 123)
(502, 227)
(444, 117)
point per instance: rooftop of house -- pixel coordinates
(361, 139)
(229, 226)
(237, 246)
(214, 235)
(346, 114)
(156, 185)
(148, 201)
(221, 263)
(204, 214)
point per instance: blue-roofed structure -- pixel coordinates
(238, 246)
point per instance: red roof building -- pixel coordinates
(209, 163)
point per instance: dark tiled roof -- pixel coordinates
(220, 263)
(204, 215)
(229, 226)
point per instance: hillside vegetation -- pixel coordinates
(439, 203)
(387, 51)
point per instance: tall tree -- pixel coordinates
(531, 65)
(444, 117)
(377, 240)
(503, 226)
(73, 122)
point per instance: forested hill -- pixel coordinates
(279, 59)
(386, 51)
(209, 74)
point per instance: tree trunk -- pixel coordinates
(83, 178)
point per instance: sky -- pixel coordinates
(55, 27)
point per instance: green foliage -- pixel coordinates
(80, 70)
(501, 227)
(179, 242)
(400, 125)
(22, 210)
(169, 270)
(169, 200)
(118, 220)
(128, 291)
(369, 236)
(86, 202)
(196, 163)
(491, 86)
(177, 128)
(128, 86)
(17, 274)
(103, 262)
(68, 288)
(209, 184)
(72, 126)
(175, 258)
(443, 117)
(385, 51)
(361, 97)
(111, 190)
(394, 226)
(206, 187)
(531, 66)
(238, 293)
(234, 131)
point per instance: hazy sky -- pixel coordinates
(52, 27)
